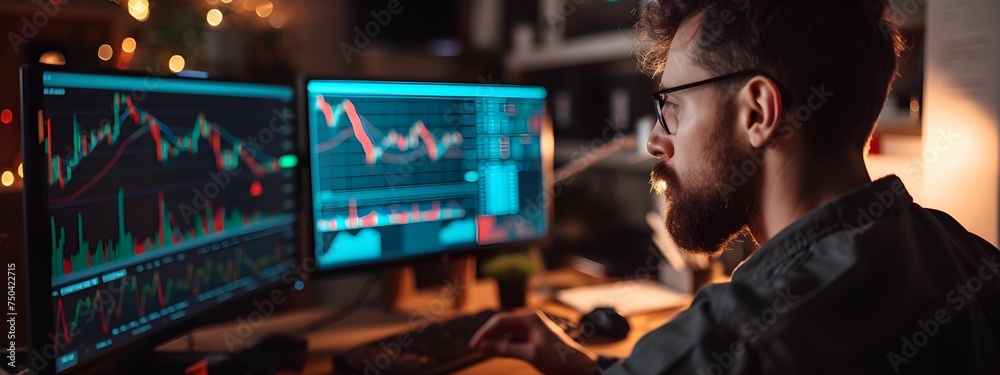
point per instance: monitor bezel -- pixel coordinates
(309, 228)
(37, 251)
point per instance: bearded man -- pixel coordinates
(764, 114)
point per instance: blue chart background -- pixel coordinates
(495, 170)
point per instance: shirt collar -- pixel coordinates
(851, 213)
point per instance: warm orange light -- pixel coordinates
(176, 63)
(277, 20)
(128, 45)
(914, 106)
(52, 58)
(264, 9)
(7, 179)
(123, 61)
(104, 52)
(20, 170)
(139, 9)
(214, 17)
(137, 6)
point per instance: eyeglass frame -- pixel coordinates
(659, 101)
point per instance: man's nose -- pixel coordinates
(659, 145)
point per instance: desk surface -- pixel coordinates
(427, 305)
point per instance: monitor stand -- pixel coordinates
(400, 283)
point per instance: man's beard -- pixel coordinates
(707, 211)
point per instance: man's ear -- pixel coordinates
(760, 110)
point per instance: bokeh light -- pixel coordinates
(104, 52)
(264, 9)
(214, 17)
(52, 58)
(139, 9)
(277, 20)
(176, 63)
(128, 45)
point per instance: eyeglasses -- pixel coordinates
(660, 97)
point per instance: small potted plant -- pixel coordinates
(511, 272)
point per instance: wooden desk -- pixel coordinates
(427, 305)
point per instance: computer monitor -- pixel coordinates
(401, 170)
(151, 202)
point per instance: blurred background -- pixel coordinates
(580, 50)
(939, 130)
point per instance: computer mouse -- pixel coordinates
(605, 323)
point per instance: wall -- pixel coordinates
(961, 129)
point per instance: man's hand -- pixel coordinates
(533, 337)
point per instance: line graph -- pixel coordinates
(375, 144)
(389, 143)
(168, 144)
(408, 168)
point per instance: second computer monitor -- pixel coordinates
(404, 169)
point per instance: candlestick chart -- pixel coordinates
(161, 202)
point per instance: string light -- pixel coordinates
(7, 179)
(20, 170)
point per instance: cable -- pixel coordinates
(592, 157)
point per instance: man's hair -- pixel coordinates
(847, 47)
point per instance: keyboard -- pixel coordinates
(439, 348)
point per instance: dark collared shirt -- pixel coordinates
(869, 283)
